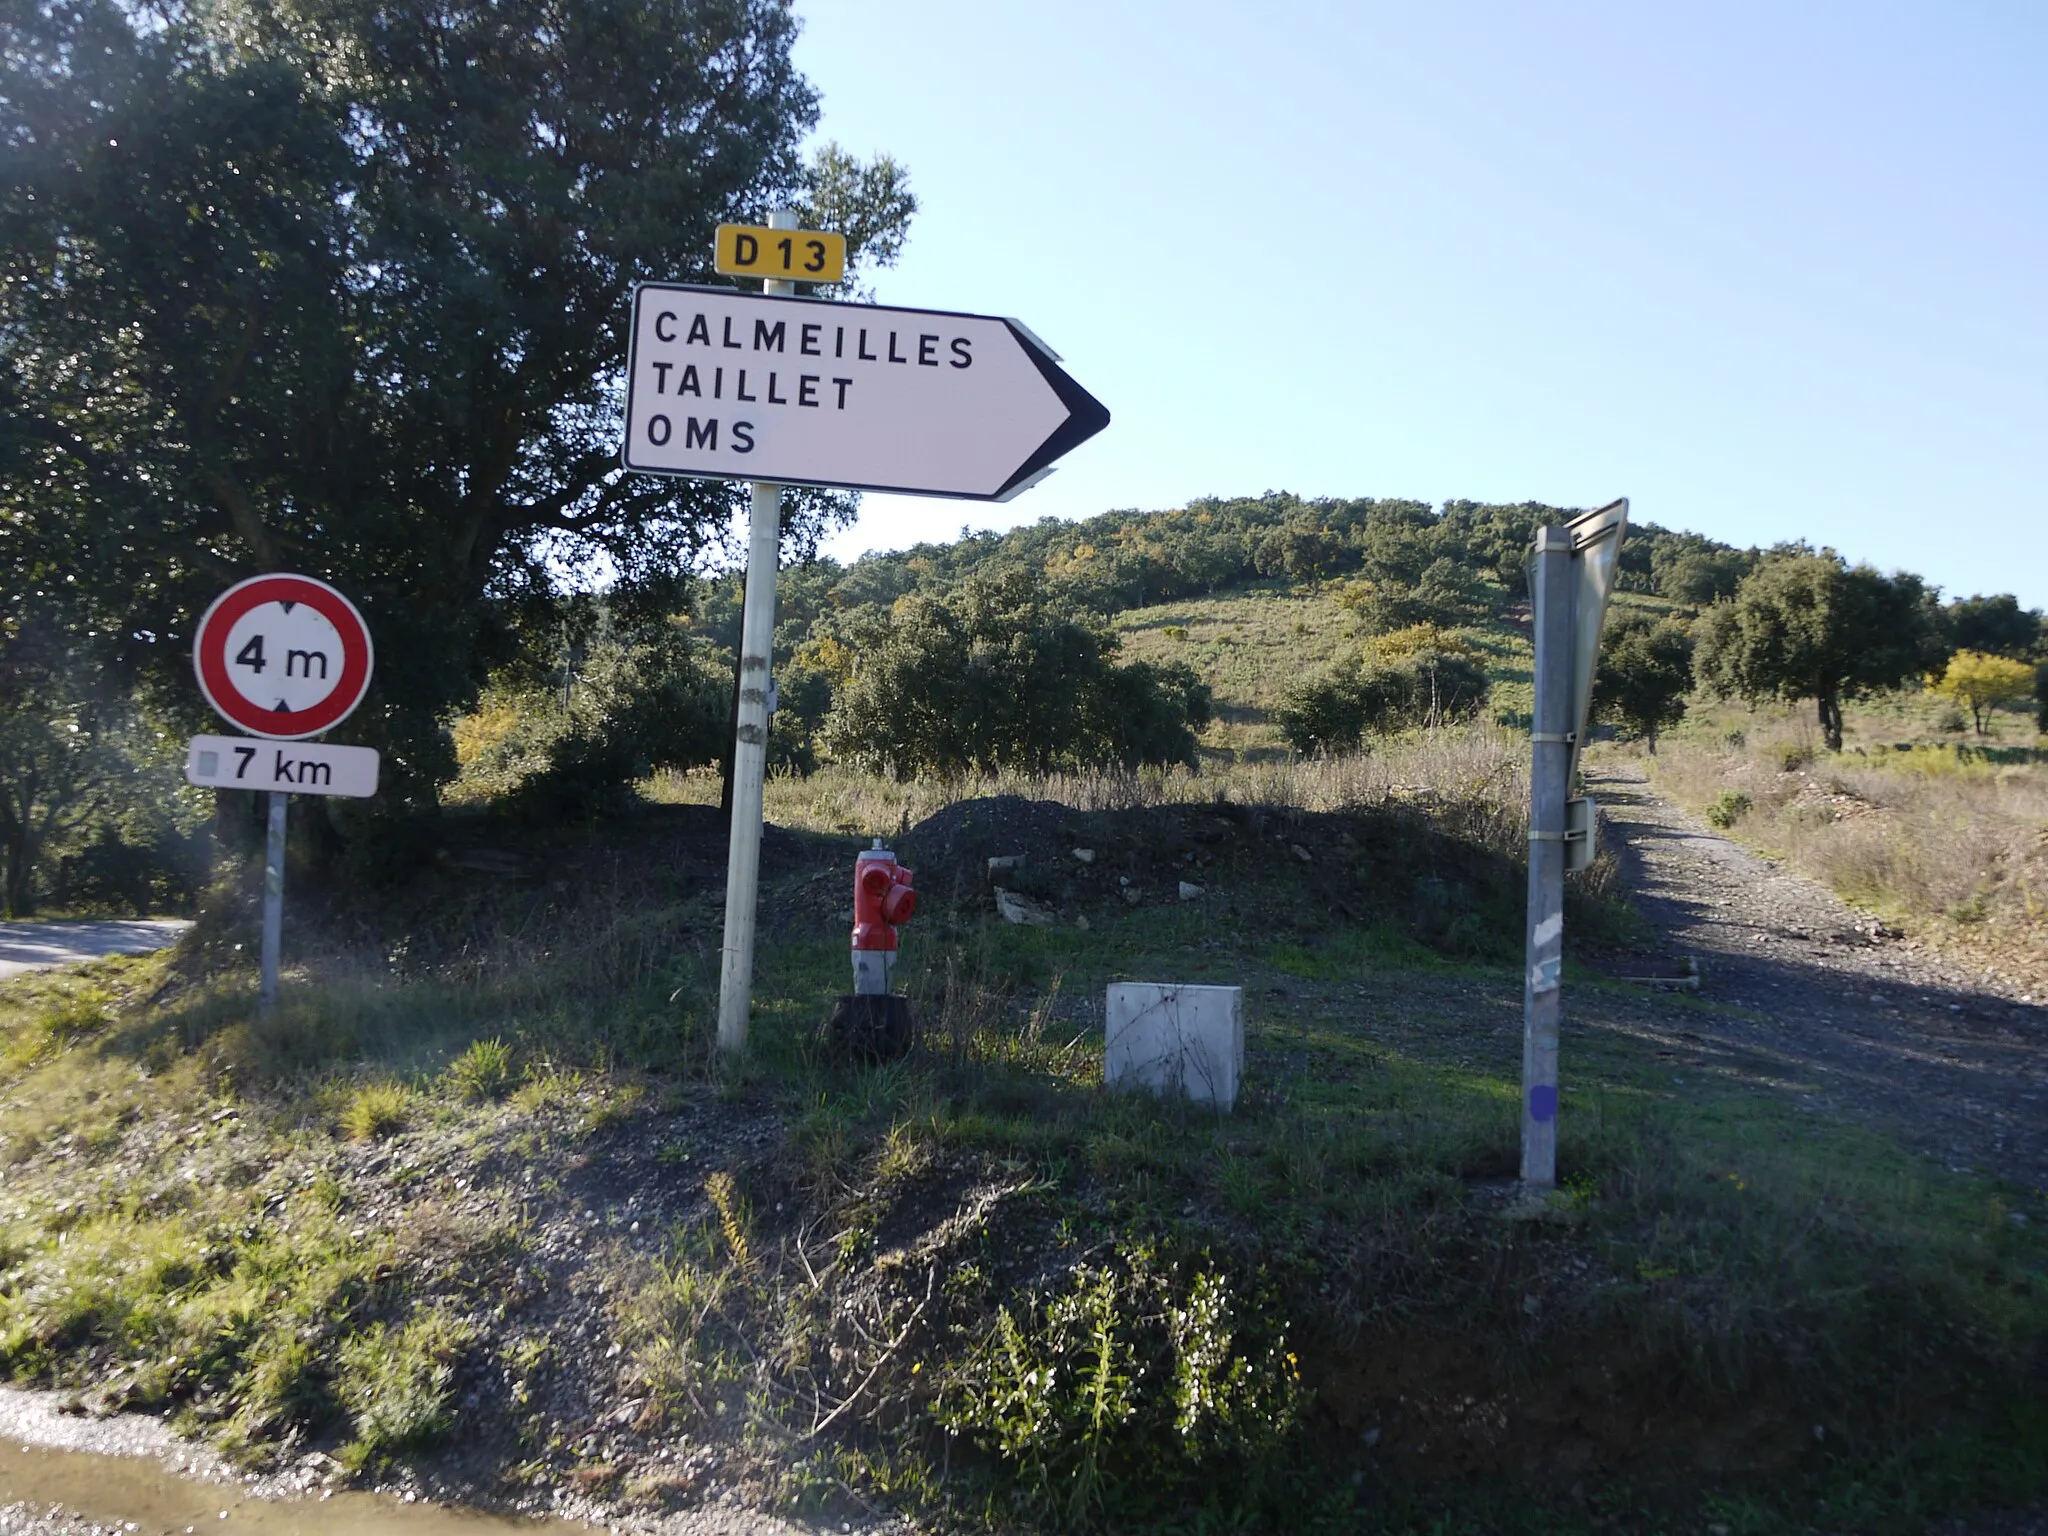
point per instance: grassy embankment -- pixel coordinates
(485, 1141)
(1945, 835)
(473, 1153)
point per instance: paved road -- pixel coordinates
(36, 946)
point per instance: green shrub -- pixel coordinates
(1418, 676)
(1729, 807)
(396, 1385)
(998, 674)
(1123, 1387)
(566, 743)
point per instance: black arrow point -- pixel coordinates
(283, 708)
(287, 603)
(1086, 415)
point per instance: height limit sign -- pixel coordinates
(283, 656)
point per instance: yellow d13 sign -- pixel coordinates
(795, 255)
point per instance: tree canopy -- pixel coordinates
(1808, 625)
(1001, 675)
(1981, 683)
(341, 287)
(1996, 625)
(1644, 674)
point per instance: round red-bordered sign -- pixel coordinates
(283, 656)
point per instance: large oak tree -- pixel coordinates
(341, 286)
(1807, 625)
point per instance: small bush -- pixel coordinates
(396, 1385)
(1122, 1385)
(1729, 807)
(376, 1110)
(566, 745)
(1415, 677)
(483, 1073)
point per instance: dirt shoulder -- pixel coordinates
(1953, 1062)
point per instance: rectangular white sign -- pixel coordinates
(748, 386)
(301, 767)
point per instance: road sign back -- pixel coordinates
(794, 255)
(283, 656)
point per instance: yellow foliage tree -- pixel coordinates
(1415, 639)
(1982, 682)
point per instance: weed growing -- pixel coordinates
(484, 1072)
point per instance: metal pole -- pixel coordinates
(1550, 586)
(273, 905)
(750, 747)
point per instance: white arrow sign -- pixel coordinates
(297, 767)
(744, 386)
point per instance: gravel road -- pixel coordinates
(1952, 1060)
(37, 946)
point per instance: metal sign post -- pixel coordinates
(1549, 771)
(273, 904)
(1570, 576)
(780, 390)
(750, 748)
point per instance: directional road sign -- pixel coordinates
(743, 386)
(794, 255)
(297, 767)
(282, 656)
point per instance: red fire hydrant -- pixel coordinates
(883, 900)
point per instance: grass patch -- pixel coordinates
(396, 1384)
(484, 1072)
(375, 1111)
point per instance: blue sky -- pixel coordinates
(1770, 270)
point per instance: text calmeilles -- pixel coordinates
(747, 386)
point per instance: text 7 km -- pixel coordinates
(307, 771)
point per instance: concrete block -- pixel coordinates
(1176, 1040)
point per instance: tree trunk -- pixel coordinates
(1831, 721)
(14, 896)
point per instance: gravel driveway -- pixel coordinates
(36, 946)
(1952, 1061)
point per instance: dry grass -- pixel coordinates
(1943, 837)
(1481, 771)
